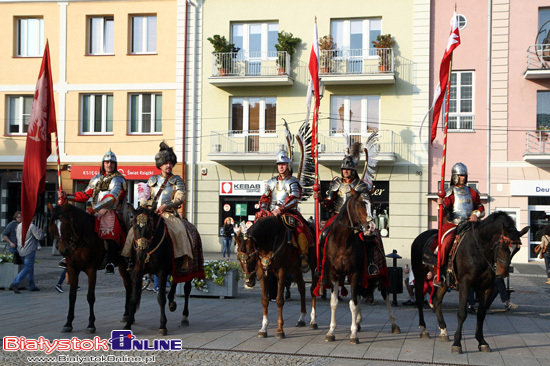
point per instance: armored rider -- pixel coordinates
(166, 193)
(107, 191)
(281, 198)
(339, 191)
(461, 203)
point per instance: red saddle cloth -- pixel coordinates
(108, 227)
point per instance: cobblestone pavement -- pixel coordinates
(223, 331)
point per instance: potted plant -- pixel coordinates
(8, 271)
(286, 43)
(220, 279)
(383, 43)
(326, 43)
(224, 51)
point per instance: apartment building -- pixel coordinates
(117, 69)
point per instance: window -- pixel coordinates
(543, 110)
(544, 26)
(461, 102)
(357, 114)
(462, 21)
(19, 113)
(252, 118)
(101, 35)
(355, 34)
(256, 42)
(144, 34)
(145, 113)
(97, 113)
(30, 37)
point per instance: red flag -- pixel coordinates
(42, 123)
(452, 43)
(314, 83)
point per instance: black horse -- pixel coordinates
(484, 254)
(345, 259)
(84, 252)
(152, 249)
(263, 248)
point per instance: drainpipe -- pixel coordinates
(192, 131)
(489, 35)
(184, 98)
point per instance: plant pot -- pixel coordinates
(8, 272)
(383, 68)
(229, 288)
(325, 70)
(281, 71)
(223, 71)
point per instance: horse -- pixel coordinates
(152, 249)
(345, 258)
(484, 245)
(84, 251)
(264, 248)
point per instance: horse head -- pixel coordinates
(146, 225)
(248, 256)
(358, 212)
(508, 244)
(62, 227)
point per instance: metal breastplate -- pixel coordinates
(117, 187)
(343, 190)
(464, 204)
(174, 184)
(281, 189)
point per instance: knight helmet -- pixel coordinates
(458, 169)
(109, 156)
(352, 157)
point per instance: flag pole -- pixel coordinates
(441, 192)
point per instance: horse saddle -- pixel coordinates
(289, 221)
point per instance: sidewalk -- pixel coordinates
(223, 331)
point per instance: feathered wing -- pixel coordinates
(306, 170)
(288, 137)
(371, 150)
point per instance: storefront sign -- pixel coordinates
(133, 172)
(242, 188)
(530, 187)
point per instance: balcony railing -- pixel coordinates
(538, 62)
(333, 143)
(250, 64)
(538, 145)
(247, 142)
(358, 61)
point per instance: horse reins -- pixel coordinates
(356, 229)
(501, 239)
(143, 243)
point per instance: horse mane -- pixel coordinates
(81, 221)
(266, 231)
(497, 217)
(341, 213)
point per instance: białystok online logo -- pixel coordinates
(121, 340)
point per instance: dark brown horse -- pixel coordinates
(487, 244)
(345, 258)
(152, 250)
(84, 252)
(264, 248)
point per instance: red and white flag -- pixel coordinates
(42, 123)
(314, 86)
(452, 43)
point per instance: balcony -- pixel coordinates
(251, 148)
(538, 62)
(357, 67)
(538, 146)
(251, 69)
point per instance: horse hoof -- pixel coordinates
(90, 330)
(162, 332)
(354, 340)
(313, 326)
(67, 329)
(280, 335)
(396, 329)
(484, 348)
(301, 323)
(184, 323)
(425, 334)
(330, 338)
(444, 338)
(262, 334)
(456, 350)
(172, 306)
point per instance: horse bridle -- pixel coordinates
(143, 243)
(243, 258)
(502, 239)
(72, 242)
(265, 260)
(360, 227)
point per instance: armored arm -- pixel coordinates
(179, 192)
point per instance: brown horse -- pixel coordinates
(345, 258)
(487, 244)
(264, 248)
(152, 250)
(84, 252)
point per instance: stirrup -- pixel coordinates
(110, 268)
(373, 270)
(440, 281)
(62, 263)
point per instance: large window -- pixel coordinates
(355, 34)
(144, 34)
(97, 113)
(19, 113)
(252, 118)
(461, 101)
(145, 113)
(30, 37)
(255, 39)
(543, 110)
(101, 35)
(358, 115)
